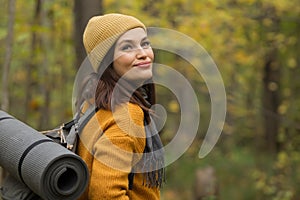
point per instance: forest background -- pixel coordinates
(255, 44)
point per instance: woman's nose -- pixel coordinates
(141, 53)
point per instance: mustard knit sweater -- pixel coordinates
(111, 156)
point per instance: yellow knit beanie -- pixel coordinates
(103, 31)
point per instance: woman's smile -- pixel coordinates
(145, 64)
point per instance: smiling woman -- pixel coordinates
(120, 144)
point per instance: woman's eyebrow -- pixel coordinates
(125, 41)
(145, 38)
(131, 41)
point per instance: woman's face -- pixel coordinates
(133, 56)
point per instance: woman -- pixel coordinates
(120, 144)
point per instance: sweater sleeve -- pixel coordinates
(115, 152)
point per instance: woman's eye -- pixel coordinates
(126, 47)
(146, 44)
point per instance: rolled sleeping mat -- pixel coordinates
(47, 168)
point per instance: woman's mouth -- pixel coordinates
(143, 64)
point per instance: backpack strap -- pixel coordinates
(77, 126)
(130, 180)
(86, 118)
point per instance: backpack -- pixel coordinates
(67, 134)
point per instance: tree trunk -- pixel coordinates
(8, 54)
(44, 73)
(271, 81)
(83, 11)
(32, 62)
(7, 61)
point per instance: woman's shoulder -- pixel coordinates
(127, 117)
(129, 111)
(123, 111)
(135, 111)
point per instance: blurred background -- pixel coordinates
(256, 46)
